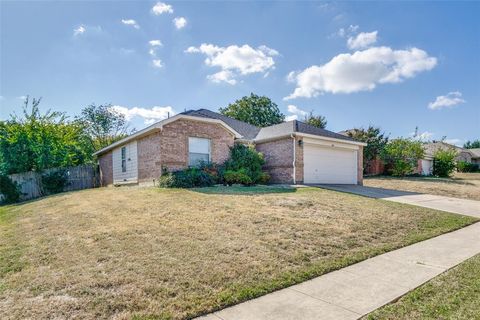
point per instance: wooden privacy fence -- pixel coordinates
(81, 177)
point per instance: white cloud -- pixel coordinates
(361, 71)
(149, 115)
(295, 113)
(236, 60)
(343, 32)
(79, 30)
(155, 43)
(457, 142)
(22, 97)
(84, 30)
(157, 63)
(362, 40)
(131, 22)
(180, 22)
(449, 100)
(424, 136)
(160, 8)
(222, 76)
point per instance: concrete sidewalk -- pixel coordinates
(356, 290)
(455, 205)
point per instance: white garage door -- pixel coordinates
(427, 167)
(329, 165)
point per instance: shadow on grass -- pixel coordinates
(242, 190)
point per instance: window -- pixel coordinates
(124, 159)
(198, 151)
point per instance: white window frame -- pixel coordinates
(209, 150)
(123, 158)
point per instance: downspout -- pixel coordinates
(294, 160)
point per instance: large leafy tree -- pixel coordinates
(374, 137)
(402, 155)
(36, 141)
(316, 120)
(257, 110)
(103, 125)
(472, 144)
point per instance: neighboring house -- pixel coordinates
(425, 165)
(475, 155)
(294, 152)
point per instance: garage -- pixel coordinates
(330, 164)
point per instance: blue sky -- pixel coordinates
(395, 65)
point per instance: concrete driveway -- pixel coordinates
(455, 205)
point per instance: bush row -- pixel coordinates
(463, 166)
(244, 166)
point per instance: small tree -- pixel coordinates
(316, 121)
(402, 155)
(37, 141)
(472, 144)
(376, 141)
(444, 162)
(256, 110)
(103, 125)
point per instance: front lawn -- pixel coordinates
(462, 185)
(452, 295)
(152, 253)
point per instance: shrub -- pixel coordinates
(264, 178)
(444, 162)
(463, 166)
(402, 155)
(188, 178)
(55, 181)
(248, 159)
(237, 177)
(9, 190)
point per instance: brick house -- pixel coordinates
(294, 152)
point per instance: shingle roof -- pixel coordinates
(290, 127)
(251, 132)
(306, 128)
(475, 152)
(247, 130)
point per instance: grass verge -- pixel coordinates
(454, 294)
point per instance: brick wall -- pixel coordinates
(360, 166)
(279, 160)
(169, 147)
(106, 169)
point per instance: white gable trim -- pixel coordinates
(312, 136)
(159, 126)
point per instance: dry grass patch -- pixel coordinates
(452, 295)
(141, 252)
(462, 185)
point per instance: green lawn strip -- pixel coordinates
(453, 295)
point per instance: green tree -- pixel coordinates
(472, 144)
(316, 121)
(256, 110)
(103, 125)
(376, 141)
(444, 162)
(402, 155)
(36, 141)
